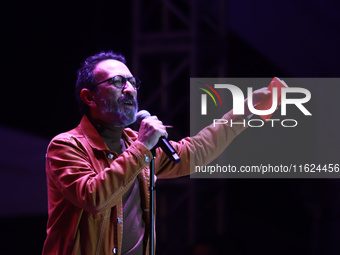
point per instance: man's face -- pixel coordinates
(117, 106)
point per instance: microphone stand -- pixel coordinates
(152, 196)
(172, 154)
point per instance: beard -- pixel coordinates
(120, 113)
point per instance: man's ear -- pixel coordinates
(88, 97)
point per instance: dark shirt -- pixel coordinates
(133, 224)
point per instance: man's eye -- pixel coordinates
(110, 82)
(132, 81)
(118, 82)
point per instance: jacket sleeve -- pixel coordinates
(84, 181)
(200, 149)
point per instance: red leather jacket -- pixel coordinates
(86, 182)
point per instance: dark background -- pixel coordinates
(43, 44)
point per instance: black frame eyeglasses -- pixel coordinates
(119, 81)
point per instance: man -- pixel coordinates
(98, 173)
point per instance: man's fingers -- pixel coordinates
(151, 130)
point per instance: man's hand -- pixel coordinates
(151, 129)
(259, 95)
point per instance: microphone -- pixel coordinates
(163, 142)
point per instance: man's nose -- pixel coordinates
(128, 87)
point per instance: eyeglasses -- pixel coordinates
(120, 81)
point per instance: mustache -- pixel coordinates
(128, 99)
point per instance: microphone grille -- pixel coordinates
(142, 115)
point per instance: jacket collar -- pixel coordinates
(93, 137)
